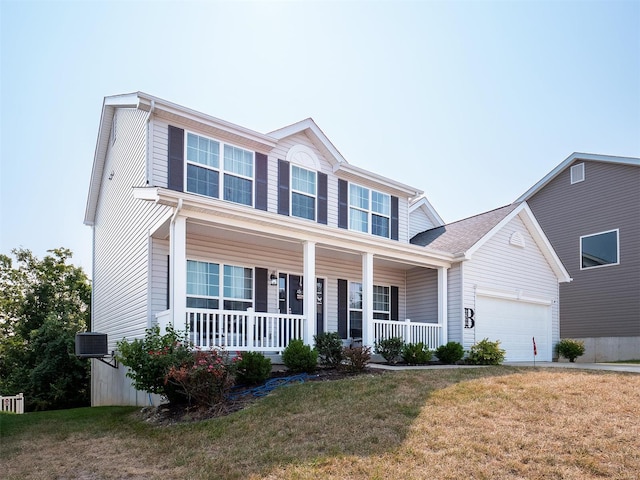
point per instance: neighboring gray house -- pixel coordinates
(589, 208)
(249, 240)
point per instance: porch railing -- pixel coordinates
(243, 331)
(271, 332)
(411, 332)
(12, 404)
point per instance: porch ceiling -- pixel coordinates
(227, 221)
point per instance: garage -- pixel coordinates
(515, 323)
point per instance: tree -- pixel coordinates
(43, 305)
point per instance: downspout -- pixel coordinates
(149, 142)
(172, 259)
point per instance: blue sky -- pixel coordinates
(472, 102)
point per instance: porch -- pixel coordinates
(271, 333)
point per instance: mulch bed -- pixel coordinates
(169, 414)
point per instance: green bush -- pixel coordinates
(252, 368)
(416, 353)
(390, 349)
(570, 349)
(298, 357)
(450, 353)
(150, 359)
(356, 358)
(486, 353)
(206, 379)
(329, 347)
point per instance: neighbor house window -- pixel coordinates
(577, 173)
(369, 211)
(204, 170)
(304, 192)
(600, 249)
(203, 284)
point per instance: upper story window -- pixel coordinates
(369, 211)
(204, 170)
(304, 191)
(599, 250)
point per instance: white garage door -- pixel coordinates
(515, 323)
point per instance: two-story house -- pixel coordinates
(248, 240)
(589, 208)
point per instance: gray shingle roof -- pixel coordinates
(460, 236)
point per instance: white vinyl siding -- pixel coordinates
(122, 255)
(160, 164)
(419, 221)
(455, 309)
(422, 295)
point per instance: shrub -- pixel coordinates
(206, 379)
(416, 353)
(356, 358)
(450, 353)
(486, 353)
(329, 347)
(299, 357)
(150, 359)
(253, 367)
(570, 349)
(390, 349)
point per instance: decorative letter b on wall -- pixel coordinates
(469, 320)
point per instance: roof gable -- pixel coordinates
(421, 203)
(464, 237)
(571, 159)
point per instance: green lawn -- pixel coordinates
(487, 423)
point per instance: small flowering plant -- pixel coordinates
(205, 379)
(150, 359)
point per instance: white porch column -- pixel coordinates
(442, 303)
(367, 299)
(178, 271)
(309, 291)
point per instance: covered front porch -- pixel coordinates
(238, 282)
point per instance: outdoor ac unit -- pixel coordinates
(91, 345)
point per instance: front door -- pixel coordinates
(291, 297)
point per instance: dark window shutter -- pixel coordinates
(261, 181)
(322, 198)
(176, 158)
(343, 307)
(394, 218)
(262, 284)
(343, 204)
(283, 187)
(394, 302)
(168, 281)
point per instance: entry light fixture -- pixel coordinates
(273, 279)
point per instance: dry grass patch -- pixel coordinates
(498, 422)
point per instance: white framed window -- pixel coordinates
(230, 179)
(203, 284)
(304, 192)
(369, 211)
(577, 173)
(205, 288)
(381, 302)
(354, 327)
(600, 249)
